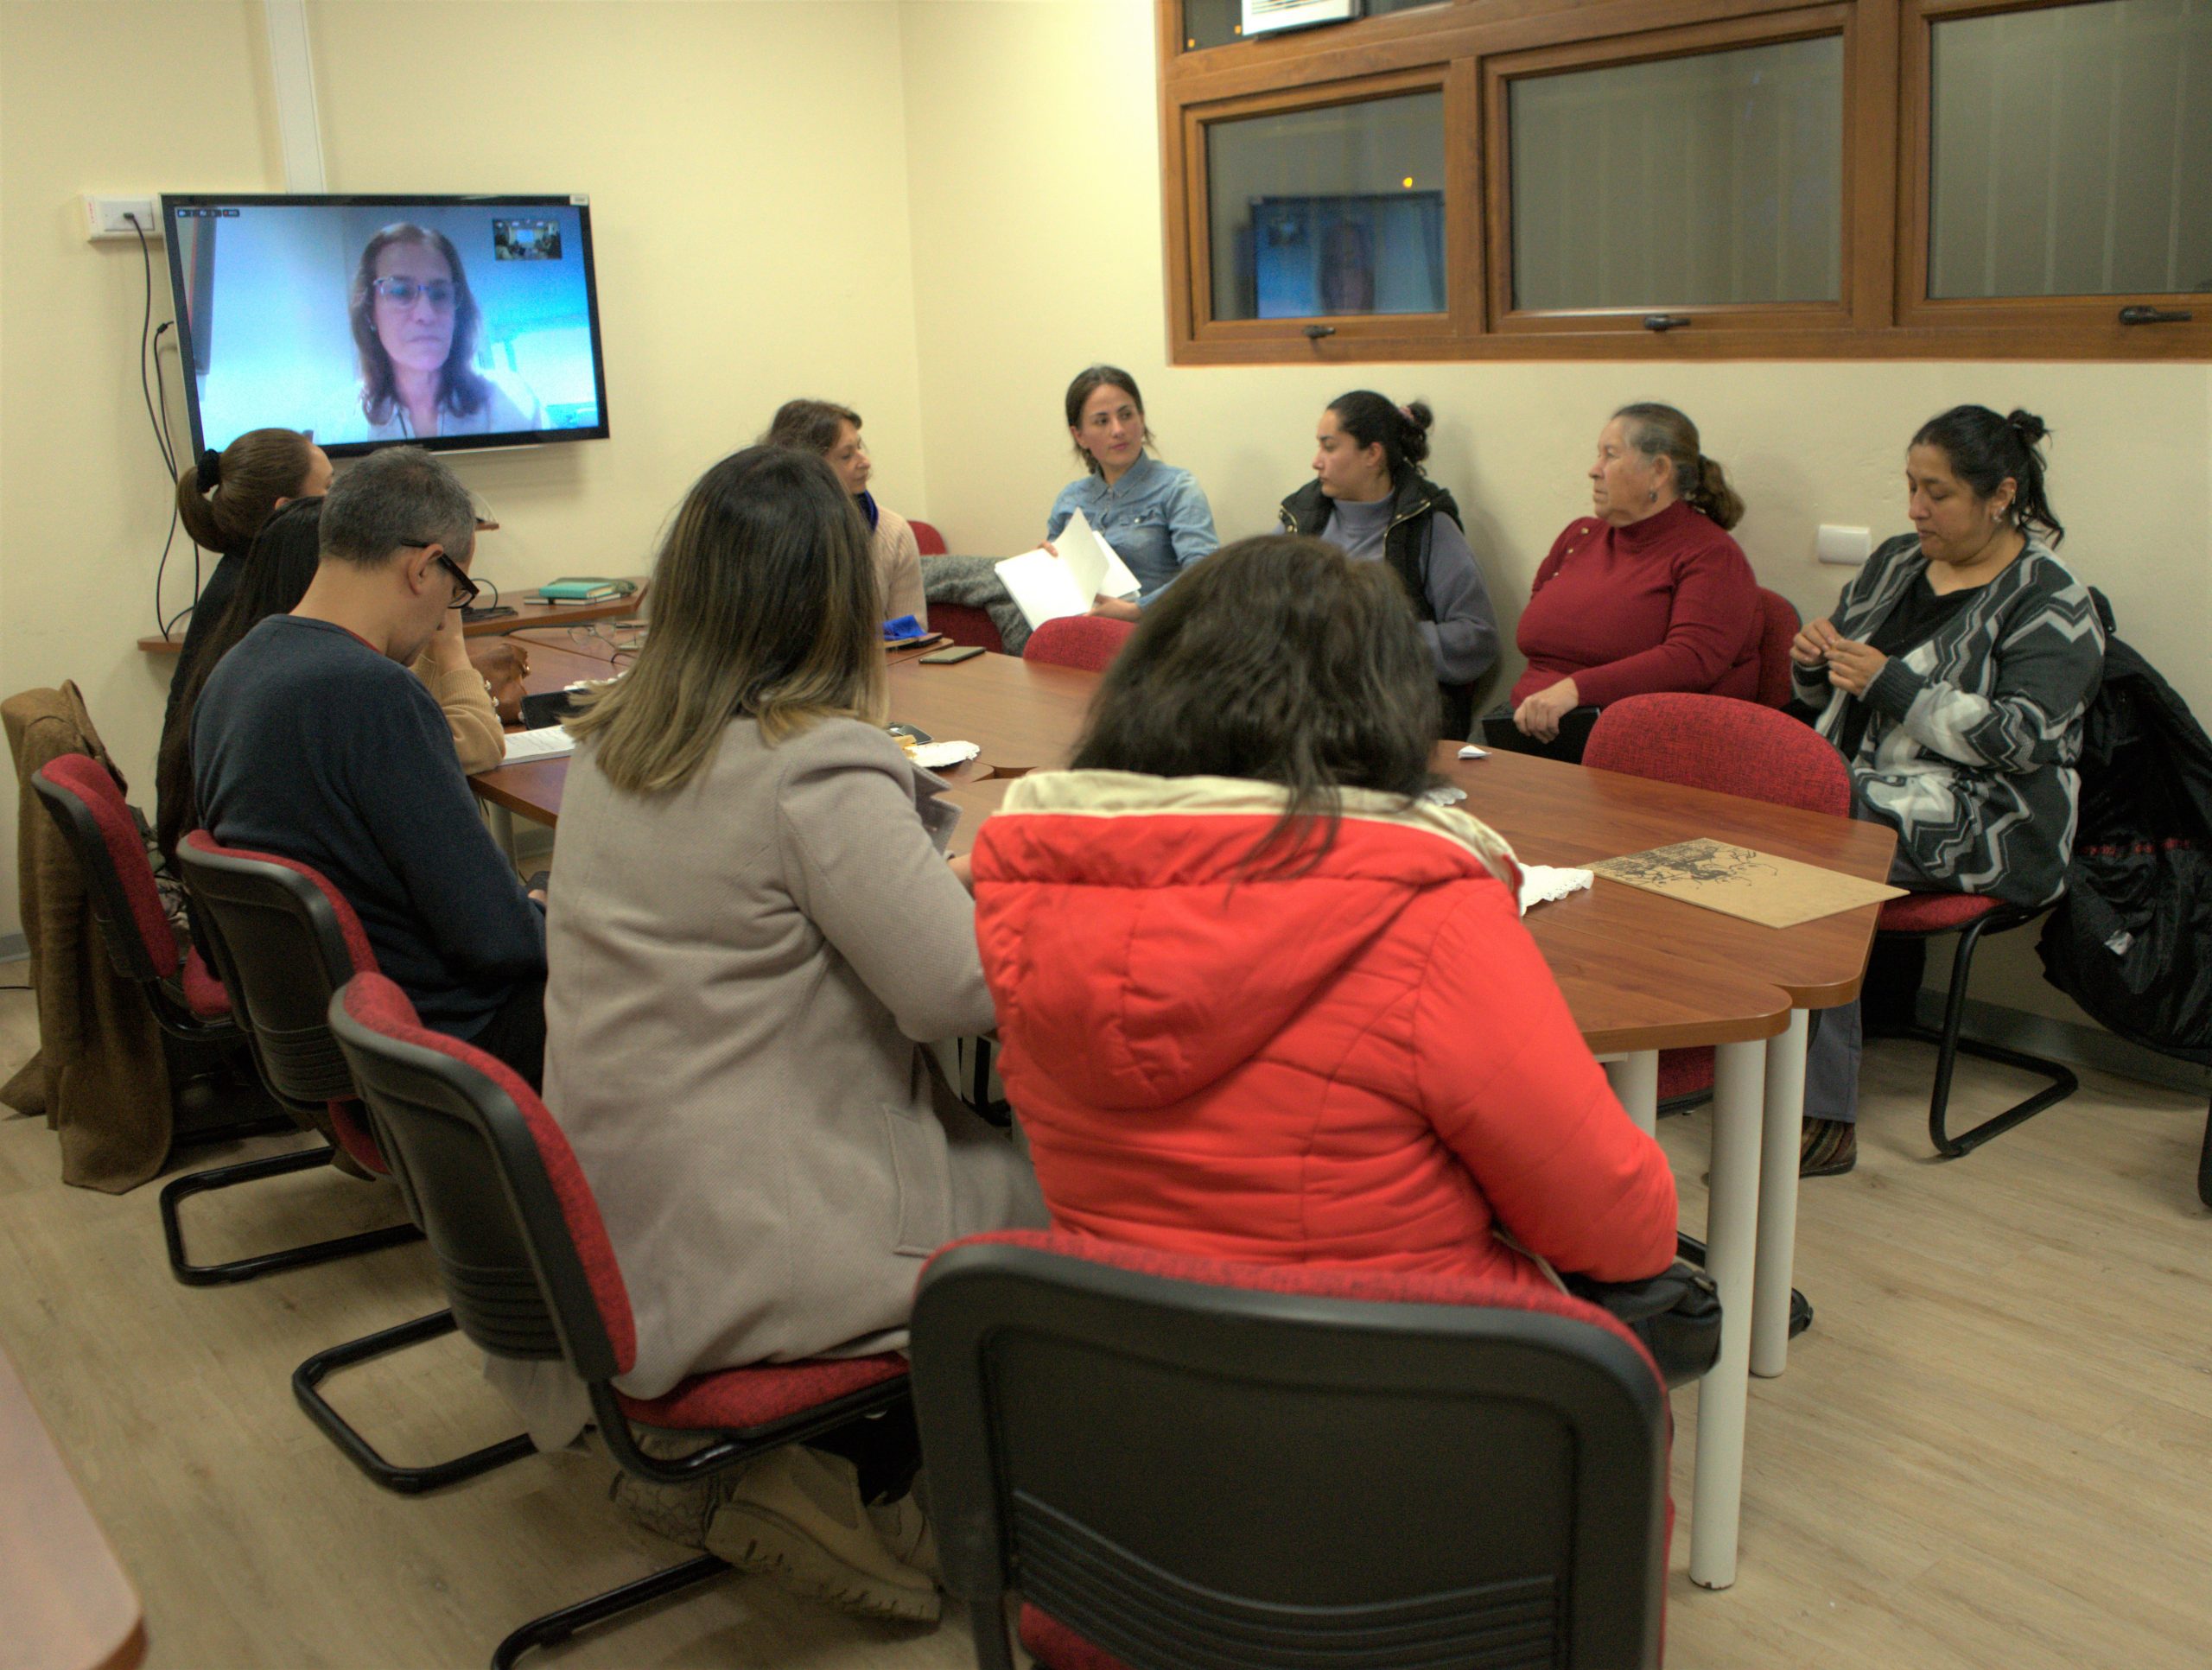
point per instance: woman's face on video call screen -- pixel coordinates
(419, 336)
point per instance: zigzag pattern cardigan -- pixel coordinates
(1971, 747)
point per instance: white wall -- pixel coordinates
(1033, 155)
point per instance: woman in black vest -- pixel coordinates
(1371, 501)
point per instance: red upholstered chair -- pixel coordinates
(1733, 747)
(1778, 626)
(963, 622)
(286, 940)
(1087, 641)
(1177, 1462)
(1970, 915)
(927, 540)
(525, 1259)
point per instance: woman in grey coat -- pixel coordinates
(1953, 676)
(753, 934)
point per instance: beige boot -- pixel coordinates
(795, 1516)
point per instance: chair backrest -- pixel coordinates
(87, 803)
(963, 622)
(927, 540)
(1232, 1466)
(522, 1251)
(282, 940)
(1778, 625)
(1089, 641)
(1717, 742)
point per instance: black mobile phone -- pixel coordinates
(540, 711)
(470, 616)
(958, 653)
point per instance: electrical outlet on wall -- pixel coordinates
(107, 217)
(1849, 546)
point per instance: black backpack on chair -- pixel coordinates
(2131, 941)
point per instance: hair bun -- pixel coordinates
(207, 473)
(1418, 414)
(2026, 425)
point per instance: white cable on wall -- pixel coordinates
(299, 124)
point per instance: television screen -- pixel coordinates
(446, 322)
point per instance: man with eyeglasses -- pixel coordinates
(313, 740)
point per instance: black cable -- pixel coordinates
(150, 342)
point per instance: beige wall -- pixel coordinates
(747, 168)
(1037, 231)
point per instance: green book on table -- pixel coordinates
(583, 589)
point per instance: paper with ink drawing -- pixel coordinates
(1048, 587)
(1741, 882)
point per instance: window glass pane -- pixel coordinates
(2072, 151)
(1688, 181)
(1331, 211)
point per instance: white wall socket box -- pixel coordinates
(104, 217)
(1849, 546)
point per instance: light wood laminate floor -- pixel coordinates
(1993, 1449)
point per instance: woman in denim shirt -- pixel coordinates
(1153, 515)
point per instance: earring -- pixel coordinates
(1651, 497)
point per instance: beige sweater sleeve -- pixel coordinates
(899, 569)
(466, 700)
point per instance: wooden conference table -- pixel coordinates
(1640, 973)
(530, 611)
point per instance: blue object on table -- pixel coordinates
(905, 630)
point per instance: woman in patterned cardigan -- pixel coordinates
(1954, 676)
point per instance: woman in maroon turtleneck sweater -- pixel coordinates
(1650, 593)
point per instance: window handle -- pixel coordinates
(1315, 333)
(1664, 321)
(2139, 316)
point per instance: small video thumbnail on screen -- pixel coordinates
(525, 240)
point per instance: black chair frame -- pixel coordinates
(280, 952)
(1035, 1373)
(1951, 1042)
(472, 1174)
(210, 880)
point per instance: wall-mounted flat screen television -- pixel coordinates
(446, 322)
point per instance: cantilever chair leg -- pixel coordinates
(262, 1264)
(554, 1628)
(308, 1378)
(1950, 1045)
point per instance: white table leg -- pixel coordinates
(1731, 1236)
(1785, 1113)
(1636, 1081)
(503, 829)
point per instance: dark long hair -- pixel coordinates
(1372, 419)
(277, 569)
(1984, 448)
(460, 389)
(1088, 382)
(1661, 431)
(1279, 659)
(765, 606)
(223, 498)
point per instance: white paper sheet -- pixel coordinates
(551, 743)
(1048, 587)
(1542, 883)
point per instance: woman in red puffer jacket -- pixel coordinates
(1259, 999)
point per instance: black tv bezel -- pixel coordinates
(171, 201)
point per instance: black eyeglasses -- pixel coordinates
(466, 591)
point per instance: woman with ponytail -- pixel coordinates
(1648, 592)
(1953, 676)
(1372, 500)
(224, 499)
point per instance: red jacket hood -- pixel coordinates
(1118, 920)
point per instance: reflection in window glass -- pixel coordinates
(2072, 151)
(1331, 211)
(1686, 182)
(1217, 22)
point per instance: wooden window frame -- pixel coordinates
(1473, 48)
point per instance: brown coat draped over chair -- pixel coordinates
(100, 1076)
